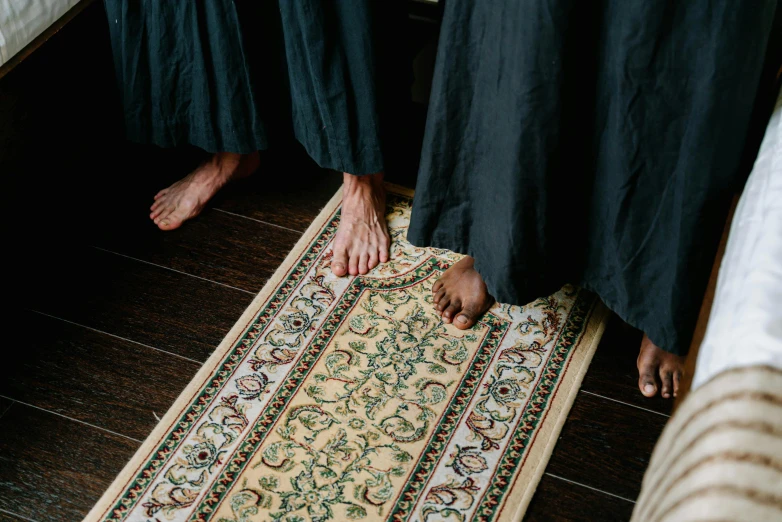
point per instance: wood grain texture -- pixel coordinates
(5, 404)
(147, 304)
(6, 516)
(54, 469)
(556, 500)
(613, 372)
(606, 445)
(288, 191)
(92, 377)
(217, 246)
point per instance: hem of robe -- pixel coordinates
(330, 153)
(544, 286)
(326, 152)
(166, 138)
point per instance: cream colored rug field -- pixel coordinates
(348, 398)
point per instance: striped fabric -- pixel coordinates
(720, 456)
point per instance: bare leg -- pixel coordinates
(362, 239)
(655, 364)
(461, 295)
(186, 198)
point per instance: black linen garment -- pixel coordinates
(238, 75)
(595, 143)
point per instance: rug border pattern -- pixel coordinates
(299, 372)
(131, 484)
(575, 346)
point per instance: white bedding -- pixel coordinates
(745, 327)
(21, 21)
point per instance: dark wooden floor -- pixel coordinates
(112, 318)
(116, 326)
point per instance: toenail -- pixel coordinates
(462, 319)
(649, 388)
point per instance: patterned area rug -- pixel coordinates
(348, 398)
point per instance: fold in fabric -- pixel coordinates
(595, 143)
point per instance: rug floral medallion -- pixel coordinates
(350, 399)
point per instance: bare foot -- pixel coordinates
(186, 198)
(362, 238)
(655, 364)
(461, 293)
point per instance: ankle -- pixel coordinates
(225, 161)
(224, 166)
(368, 184)
(466, 262)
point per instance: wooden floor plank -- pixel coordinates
(613, 372)
(288, 196)
(136, 301)
(557, 500)
(5, 404)
(606, 445)
(54, 469)
(89, 376)
(217, 246)
(7, 516)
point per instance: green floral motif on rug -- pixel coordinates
(349, 398)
